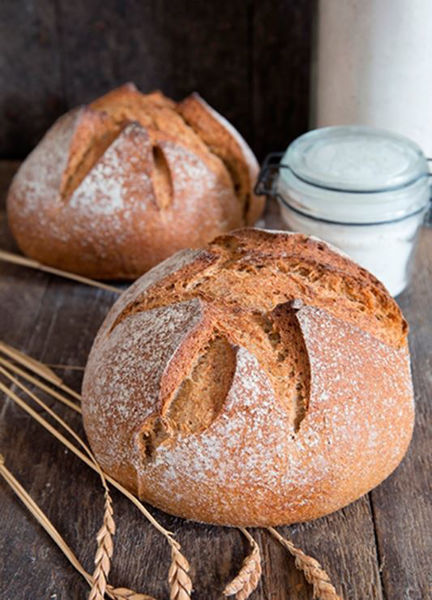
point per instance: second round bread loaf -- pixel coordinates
(119, 185)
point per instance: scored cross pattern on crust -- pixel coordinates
(248, 366)
(118, 185)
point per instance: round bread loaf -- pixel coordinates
(262, 380)
(119, 185)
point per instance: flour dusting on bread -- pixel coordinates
(229, 386)
(117, 186)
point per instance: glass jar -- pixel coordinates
(362, 189)
(373, 66)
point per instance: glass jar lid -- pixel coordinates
(355, 158)
(354, 174)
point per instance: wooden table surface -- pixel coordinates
(379, 548)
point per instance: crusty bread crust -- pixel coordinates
(119, 185)
(262, 380)
(226, 142)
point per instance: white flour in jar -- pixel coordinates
(362, 189)
(384, 250)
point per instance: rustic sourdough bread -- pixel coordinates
(119, 185)
(262, 380)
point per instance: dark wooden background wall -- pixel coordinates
(248, 58)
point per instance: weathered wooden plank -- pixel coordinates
(281, 47)
(31, 95)
(178, 47)
(403, 504)
(250, 60)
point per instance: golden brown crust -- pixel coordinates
(311, 405)
(117, 186)
(122, 235)
(93, 134)
(288, 267)
(225, 142)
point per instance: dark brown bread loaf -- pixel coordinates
(262, 380)
(119, 185)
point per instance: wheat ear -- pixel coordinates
(313, 571)
(125, 594)
(178, 576)
(114, 593)
(16, 259)
(104, 552)
(37, 367)
(249, 575)
(179, 558)
(105, 534)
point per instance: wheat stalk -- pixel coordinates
(104, 537)
(31, 363)
(77, 452)
(37, 367)
(313, 571)
(249, 575)
(115, 593)
(55, 416)
(40, 368)
(16, 259)
(11, 367)
(125, 594)
(178, 575)
(181, 564)
(65, 367)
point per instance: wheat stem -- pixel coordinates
(311, 568)
(37, 367)
(65, 367)
(107, 531)
(178, 577)
(42, 518)
(31, 363)
(55, 416)
(54, 432)
(126, 594)
(39, 515)
(84, 458)
(16, 259)
(11, 367)
(247, 579)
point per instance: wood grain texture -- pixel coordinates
(176, 46)
(249, 59)
(281, 54)
(31, 90)
(378, 548)
(402, 505)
